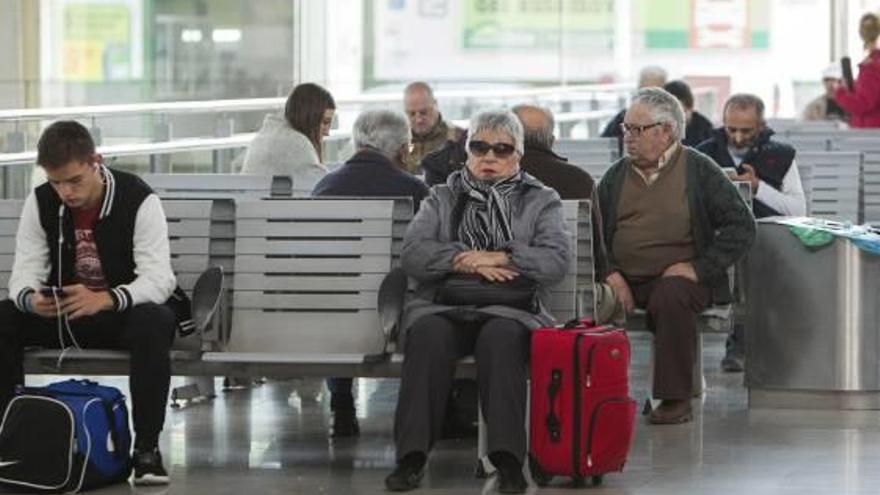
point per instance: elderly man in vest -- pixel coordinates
(744, 147)
(674, 223)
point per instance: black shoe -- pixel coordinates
(510, 474)
(408, 473)
(345, 424)
(148, 468)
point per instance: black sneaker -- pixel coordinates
(148, 468)
(408, 473)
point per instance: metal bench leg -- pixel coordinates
(484, 466)
(196, 389)
(699, 379)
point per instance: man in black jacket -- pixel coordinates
(438, 164)
(382, 141)
(570, 181)
(93, 269)
(699, 128)
(744, 147)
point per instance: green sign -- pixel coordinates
(703, 24)
(537, 24)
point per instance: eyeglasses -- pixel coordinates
(637, 130)
(501, 150)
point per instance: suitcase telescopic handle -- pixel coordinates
(552, 420)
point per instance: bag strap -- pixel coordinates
(118, 452)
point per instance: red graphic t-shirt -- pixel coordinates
(88, 265)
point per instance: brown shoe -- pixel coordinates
(671, 412)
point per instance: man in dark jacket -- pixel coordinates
(382, 141)
(554, 171)
(93, 269)
(438, 164)
(699, 128)
(673, 225)
(745, 148)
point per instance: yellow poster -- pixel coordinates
(96, 42)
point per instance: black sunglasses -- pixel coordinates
(501, 150)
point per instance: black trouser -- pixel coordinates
(341, 398)
(145, 330)
(433, 346)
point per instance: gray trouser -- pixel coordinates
(433, 346)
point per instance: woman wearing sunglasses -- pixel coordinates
(490, 222)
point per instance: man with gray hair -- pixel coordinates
(651, 76)
(382, 141)
(674, 223)
(378, 167)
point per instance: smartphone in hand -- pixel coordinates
(52, 292)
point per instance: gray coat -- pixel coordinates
(541, 249)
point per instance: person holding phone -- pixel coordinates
(862, 101)
(93, 269)
(744, 144)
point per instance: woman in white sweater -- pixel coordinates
(291, 145)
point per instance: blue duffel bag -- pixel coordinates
(65, 437)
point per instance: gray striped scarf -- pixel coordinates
(485, 220)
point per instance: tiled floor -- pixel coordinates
(269, 440)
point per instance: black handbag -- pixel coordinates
(464, 289)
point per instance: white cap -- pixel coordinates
(832, 72)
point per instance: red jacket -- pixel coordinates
(863, 103)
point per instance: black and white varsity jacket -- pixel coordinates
(131, 236)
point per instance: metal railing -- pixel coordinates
(575, 107)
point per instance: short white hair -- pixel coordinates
(654, 74)
(386, 131)
(498, 121)
(663, 108)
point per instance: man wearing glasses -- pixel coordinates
(674, 223)
(744, 147)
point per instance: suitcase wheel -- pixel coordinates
(540, 478)
(596, 480)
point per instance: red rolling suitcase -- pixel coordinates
(581, 418)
